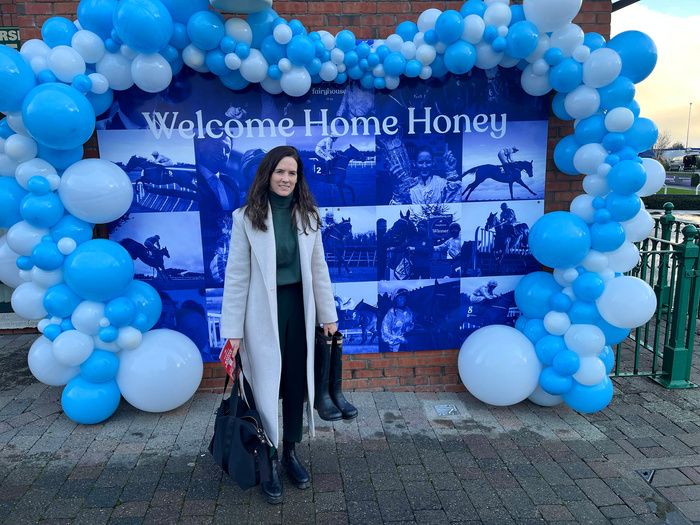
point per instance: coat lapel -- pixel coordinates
(262, 244)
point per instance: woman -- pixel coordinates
(277, 289)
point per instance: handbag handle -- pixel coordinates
(236, 389)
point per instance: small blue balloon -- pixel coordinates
(297, 27)
(473, 7)
(46, 256)
(215, 61)
(109, 334)
(627, 177)
(67, 324)
(11, 196)
(383, 51)
(394, 64)
(52, 331)
(614, 141)
(355, 73)
(60, 300)
(182, 10)
(70, 226)
(96, 16)
(99, 270)
(112, 46)
(407, 30)
(638, 53)
(607, 356)
(588, 286)
(520, 323)
(367, 80)
(566, 76)
(564, 153)
(613, 334)
(560, 239)
(431, 37)
(620, 92)
(490, 34)
(590, 130)
(566, 363)
(642, 135)
(413, 68)
(58, 31)
(535, 330)
(262, 23)
(351, 59)
(634, 108)
(373, 59)
(46, 76)
(622, 207)
(548, 347)
(499, 44)
(82, 83)
(555, 384)
(553, 56)
(148, 304)
(242, 50)
(89, 403)
(120, 311)
(180, 39)
(206, 29)
(271, 50)
(16, 79)
(594, 41)
(342, 78)
(101, 102)
(145, 26)
(449, 26)
(234, 80)
(345, 40)
(582, 312)
(606, 237)
(534, 292)
(24, 263)
(39, 185)
(101, 366)
(559, 108)
(274, 72)
(314, 67)
(590, 399)
(300, 50)
(560, 302)
(42, 211)
(379, 83)
(460, 57)
(522, 39)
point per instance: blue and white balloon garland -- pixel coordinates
(96, 320)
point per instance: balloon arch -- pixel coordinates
(96, 320)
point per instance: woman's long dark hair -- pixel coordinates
(303, 202)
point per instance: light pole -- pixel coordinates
(687, 134)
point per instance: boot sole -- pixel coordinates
(330, 418)
(301, 486)
(273, 500)
(348, 418)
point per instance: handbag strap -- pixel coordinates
(236, 389)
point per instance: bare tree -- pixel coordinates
(662, 143)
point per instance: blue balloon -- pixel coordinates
(560, 239)
(607, 356)
(407, 30)
(148, 304)
(438, 67)
(351, 59)
(499, 44)
(520, 323)
(560, 302)
(99, 270)
(42, 211)
(66, 324)
(341, 78)
(553, 383)
(590, 130)
(46, 256)
(24, 263)
(582, 312)
(89, 403)
(301, 50)
(60, 300)
(622, 207)
(613, 334)
(394, 64)
(634, 108)
(120, 311)
(144, 25)
(620, 92)
(626, 177)
(517, 14)
(363, 50)
(413, 68)
(180, 39)
(58, 31)
(182, 10)
(52, 331)
(638, 53)
(11, 195)
(522, 39)
(533, 293)
(262, 24)
(614, 141)
(100, 367)
(590, 399)
(215, 61)
(490, 33)
(642, 135)
(460, 57)
(102, 102)
(16, 79)
(206, 29)
(564, 153)
(234, 80)
(553, 56)
(558, 106)
(242, 50)
(296, 25)
(58, 116)
(109, 334)
(70, 226)
(566, 76)
(356, 73)
(5, 129)
(473, 7)
(274, 72)
(431, 37)
(548, 347)
(379, 83)
(607, 237)
(594, 41)
(96, 16)
(535, 330)
(566, 363)
(366, 79)
(628, 153)
(271, 50)
(449, 26)
(588, 286)
(345, 40)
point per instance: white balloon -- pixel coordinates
(28, 301)
(540, 67)
(296, 82)
(567, 38)
(426, 54)
(254, 68)
(602, 67)
(329, 71)
(581, 54)
(425, 73)
(20, 148)
(193, 56)
(556, 323)
(542, 46)
(8, 165)
(162, 373)
(34, 48)
(591, 371)
(66, 245)
(549, 15)
(87, 316)
(394, 42)
(569, 292)
(507, 61)
(588, 157)
(89, 46)
(607, 274)
(100, 84)
(72, 347)
(595, 261)
(427, 19)
(96, 190)
(337, 56)
(408, 50)
(502, 30)
(342, 68)
(108, 347)
(282, 34)
(128, 52)
(38, 64)
(272, 86)
(656, 177)
(419, 40)
(65, 62)
(498, 365)
(533, 84)
(585, 339)
(595, 185)
(619, 120)
(129, 338)
(582, 102)
(116, 68)
(542, 398)
(473, 29)
(498, 15)
(604, 169)
(34, 167)
(583, 207)
(14, 120)
(486, 57)
(45, 278)
(9, 273)
(232, 61)
(23, 237)
(328, 40)
(565, 276)
(44, 366)
(285, 65)
(624, 258)
(392, 82)
(638, 227)
(239, 30)
(627, 302)
(151, 73)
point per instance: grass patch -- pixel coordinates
(677, 191)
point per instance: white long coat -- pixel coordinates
(249, 310)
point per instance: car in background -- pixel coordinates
(676, 164)
(690, 162)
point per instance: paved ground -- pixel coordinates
(636, 462)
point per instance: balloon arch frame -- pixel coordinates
(96, 320)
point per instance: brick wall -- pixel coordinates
(419, 371)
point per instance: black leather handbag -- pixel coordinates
(239, 445)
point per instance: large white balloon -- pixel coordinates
(549, 15)
(498, 15)
(282, 34)
(591, 371)
(583, 207)
(72, 347)
(595, 261)
(23, 237)
(65, 62)
(473, 29)
(585, 339)
(162, 373)
(499, 366)
(595, 185)
(624, 258)
(151, 73)
(20, 148)
(556, 323)
(116, 68)
(129, 338)
(619, 120)
(8, 165)
(254, 68)
(96, 190)
(656, 177)
(296, 82)
(627, 302)
(639, 227)
(239, 30)
(89, 46)
(87, 317)
(582, 102)
(193, 57)
(425, 54)
(28, 301)
(567, 38)
(601, 68)
(34, 48)
(589, 157)
(542, 398)
(533, 84)
(9, 273)
(44, 366)
(486, 57)
(427, 19)
(329, 71)
(46, 279)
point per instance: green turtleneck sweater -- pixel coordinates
(286, 240)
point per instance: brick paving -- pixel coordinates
(399, 462)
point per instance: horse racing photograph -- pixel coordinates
(356, 306)
(350, 242)
(486, 301)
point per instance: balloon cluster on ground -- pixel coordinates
(96, 319)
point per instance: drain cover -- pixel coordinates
(446, 410)
(648, 475)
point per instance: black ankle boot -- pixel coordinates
(322, 364)
(298, 475)
(336, 379)
(272, 489)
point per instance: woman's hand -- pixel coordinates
(235, 345)
(329, 329)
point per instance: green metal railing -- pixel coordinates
(663, 348)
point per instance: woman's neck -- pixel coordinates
(280, 202)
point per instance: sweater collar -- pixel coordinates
(278, 202)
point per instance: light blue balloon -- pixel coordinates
(301, 50)
(620, 92)
(460, 57)
(394, 64)
(622, 207)
(566, 363)
(522, 39)
(449, 26)
(70, 226)
(345, 40)
(271, 50)
(96, 16)
(548, 347)
(627, 176)
(89, 403)
(407, 30)
(148, 304)
(413, 68)
(594, 40)
(206, 29)
(560, 239)
(590, 399)
(517, 14)
(60, 158)
(533, 293)
(534, 330)
(180, 40)
(607, 237)
(555, 384)
(120, 311)
(42, 211)
(564, 153)
(590, 130)
(473, 7)
(638, 53)
(216, 62)
(607, 356)
(566, 76)
(60, 300)
(560, 302)
(58, 116)
(582, 312)
(46, 256)
(144, 25)
(559, 108)
(351, 59)
(613, 334)
(296, 25)
(588, 286)
(58, 31)
(642, 135)
(520, 323)
(109, 334)
(182, 10)
(234, 80)
(99, 270)
(261, 24)
(16, 79)
(100, 367)
(102, 102)
(11, 195)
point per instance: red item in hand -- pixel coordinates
(228, 359)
